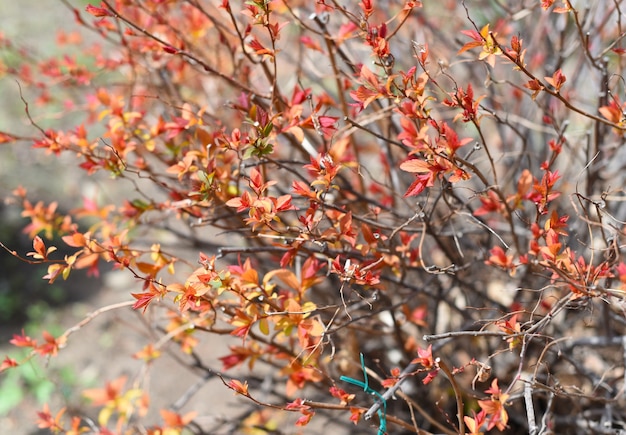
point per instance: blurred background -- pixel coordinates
(24, 296)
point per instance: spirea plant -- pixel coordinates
(406, 216)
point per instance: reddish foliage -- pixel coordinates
(353, 185)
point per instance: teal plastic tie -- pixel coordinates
(382, 413)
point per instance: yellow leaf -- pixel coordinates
(286, 276)
(264, 326)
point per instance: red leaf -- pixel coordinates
(102, 11)
(418, 186)
(7, 363)
(51, 345)
(297, 404)
(355, 414)
(239, 355)
(47, 421)
(259, 49)
(490, 203)
(535, 86)
(341, 395)
(499, 258)
(169, 49)
(310, 43)
(6, 138)
(430, 376)
(367, 6)
(424, 357)
(22, 340)
(305, 419)
(388, 383)
(143, 300)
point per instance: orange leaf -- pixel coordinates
(557, 79)
(51, 345)
(23, 340)
(148, 353)
(41, 253)
(305, 418)
(525, 183)
(6, 138)
(286, 276)
(239, 387)
(415, 165)
(111, 392)
(76, 240)
(499, 258)
(355, 414)
(176, 421)
(535, 86)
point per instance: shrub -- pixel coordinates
(383, 199)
